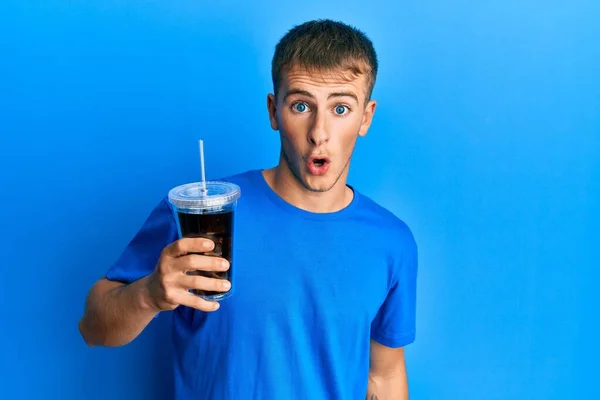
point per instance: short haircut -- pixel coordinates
(325, 45)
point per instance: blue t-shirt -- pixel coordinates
(310, 292)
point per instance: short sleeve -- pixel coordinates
(141, 254)
(395, 322)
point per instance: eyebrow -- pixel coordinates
(343, 94)
(331, 95)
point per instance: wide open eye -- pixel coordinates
(341, 110)
(300, 107)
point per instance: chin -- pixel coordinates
(319, 189)
(318, 183)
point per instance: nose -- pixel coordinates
(317, 134)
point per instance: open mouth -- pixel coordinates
(318, 165)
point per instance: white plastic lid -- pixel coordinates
(190, 195)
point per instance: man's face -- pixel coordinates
(320, 117)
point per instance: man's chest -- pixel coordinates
(318, 270)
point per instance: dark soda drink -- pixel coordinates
(216, 227)
(207, 210)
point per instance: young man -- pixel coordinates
(325, 278)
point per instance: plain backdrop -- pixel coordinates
(486, 142)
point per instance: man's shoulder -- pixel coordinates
(240, 178)
(385, 219)
(247, 180)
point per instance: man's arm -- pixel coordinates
(116, 313)
(387, 374)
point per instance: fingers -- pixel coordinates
(193, 262)
(178, 292)
(188, 299)
(185, 246)
(183, 256)
(205, 284)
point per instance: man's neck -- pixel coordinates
(284, 183)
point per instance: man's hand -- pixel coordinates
(169, 284)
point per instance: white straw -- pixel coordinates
(203, 182)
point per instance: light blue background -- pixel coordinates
(486, 142)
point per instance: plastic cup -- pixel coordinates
(208, 214)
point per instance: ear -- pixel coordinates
(367, 118)
(272, 107)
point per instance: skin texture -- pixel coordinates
(387, 373)
(317, 115)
